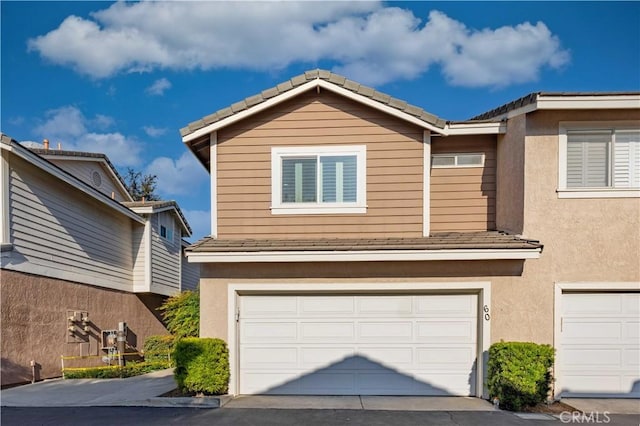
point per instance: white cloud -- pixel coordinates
(368, 42)
(69, 127)
(200, 223)
(178, 177)
(158, 87)
(154, 132)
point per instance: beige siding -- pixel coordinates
(83, 170)
(394, 170)
(61, 233)
(464, 199)
(165, 256)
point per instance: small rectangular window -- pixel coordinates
(166, 233)
(457, 160)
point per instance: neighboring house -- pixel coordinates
(360, 245)
(78, 257)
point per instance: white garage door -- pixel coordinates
(600, 344)
(358, 345)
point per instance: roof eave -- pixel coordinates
(363, 256)
(289, 94)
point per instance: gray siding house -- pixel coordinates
(74, 244)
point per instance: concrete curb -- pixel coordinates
(208, 402)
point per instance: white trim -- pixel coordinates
(360, 206)
(364, 256)
(150, 209)
(566, 287)
(543, 102)
(472, 128)
(312, 84)
(147, 253)
(426, 183)
(606, 192)
(599, 193)
(5, 189)
(589, 102)
(82, 186)
(482, 288)
(213, 173)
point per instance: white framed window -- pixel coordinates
(318, 180)
(599, 160)
(457, 160)
(166, 230)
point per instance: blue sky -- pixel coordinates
(123, 78)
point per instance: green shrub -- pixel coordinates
(115, 371)
(159, 348)
(202, 365)
(181, 314)
(519, 373)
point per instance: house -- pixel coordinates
(361, 245)
(79, 256)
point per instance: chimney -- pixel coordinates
(46, 144)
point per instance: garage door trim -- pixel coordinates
(481, 288)
(575, 287)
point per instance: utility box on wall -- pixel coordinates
(109, 339)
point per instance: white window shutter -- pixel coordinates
(626, 173)
(588, 159)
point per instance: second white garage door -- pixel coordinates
(358, 345)
(600, 344)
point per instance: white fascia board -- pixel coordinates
(53, 170)
(312, 84)
(363, 256)
(153, 210)
(589, 102)
(496, 128)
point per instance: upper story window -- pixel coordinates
(166, 230)
(457, 160)
(600, 161)
(317, 180)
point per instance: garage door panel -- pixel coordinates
(446, 331)
(600, 345)
(329, 331)
(267, 306)
(398, 357)
(592, 303)
(441, 305)
(358, 345)
(631, 331)
(584, 330)
(317, 357)
(384, 306)
(322, 306)
(385, 331)
(448, 382)
(268, 332)
(445, 357)
(600, 358)
(270, 357)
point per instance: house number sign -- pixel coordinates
(487, 316)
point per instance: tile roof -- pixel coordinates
(301, 79)
(437, 241)
(57, 152)
(533, 97)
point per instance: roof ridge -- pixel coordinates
(299, 80)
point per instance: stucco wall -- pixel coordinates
(214, 288)
(33, 311)
(510, 178)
